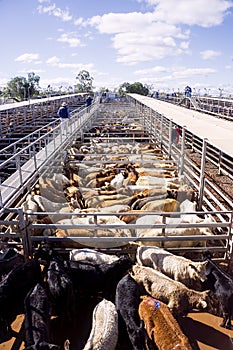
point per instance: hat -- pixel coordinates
(64, 104)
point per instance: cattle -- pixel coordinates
(173, 231)
(102, 201)
(141, 202)
(37, 320)
(151, 181)
(222, 286)
(48, 205)
(165, 205)
(90, 231)
(93, 278)
(60, 286)
(13, 290)
(176, 295)
(104, 332)
(91, 255)
(9, 259)
(127, 301)
(161, 325)
(180, 269)
(30, 206)
(117, 181)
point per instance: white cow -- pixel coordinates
(92, 256)
(173, 231)
(184, 270)
(104, 332)
(180, 299)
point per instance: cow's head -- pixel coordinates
(198, 270)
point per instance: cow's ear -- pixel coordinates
(204, 263)
(193, 266)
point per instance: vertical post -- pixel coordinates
(220, 163)
(170, 139)
(182, 151)
(25, 236)
(202, 175)
(34, 156)
(0, 124)
(1, 200)
(18, 167)
(161, 131)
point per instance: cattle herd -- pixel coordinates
(88, 299)
(88, 296)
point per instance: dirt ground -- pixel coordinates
(202, 328)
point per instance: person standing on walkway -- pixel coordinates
(64, 115)
(88, 103)
(188, 91)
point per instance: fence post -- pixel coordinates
(170, 139)
(220, 163)
(161, 131)
(18, 167)
(23, 229)
(202, 175)
(182, 151)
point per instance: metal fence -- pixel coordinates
(51, 146)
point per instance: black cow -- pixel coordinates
(9, 259)
(127, 301)
(91, 278)
(221, 284)
(37, 320)
(13, 289)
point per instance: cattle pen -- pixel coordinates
(122, 174)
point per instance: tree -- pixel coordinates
(123, 89)
(20, 88)
(85, 81)
(137, 88)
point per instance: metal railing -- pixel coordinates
(159, 130)
(26, 157)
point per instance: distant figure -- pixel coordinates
(88, 102)
(188, 91)
(156, 94)
(64, 115)
(176, 133)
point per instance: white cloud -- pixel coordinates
(153, 70)
(183, 72)
(27, 57)
(70, 39)
(56, 62)
(53, 60)
(166, 74)
(209, 54)
(139, 37)
(204, 13)
(53, 10)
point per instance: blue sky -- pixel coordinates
(166, 44)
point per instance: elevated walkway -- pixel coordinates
(219, 132)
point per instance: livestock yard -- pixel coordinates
(116, 231)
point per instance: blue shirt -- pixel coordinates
(63, 112)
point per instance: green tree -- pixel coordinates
(123, 89)
(20, 88)
(84, 81)
(137, 88)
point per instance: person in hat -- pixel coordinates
(64, 115)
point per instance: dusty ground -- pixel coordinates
(202, 328)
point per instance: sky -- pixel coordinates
(166, 44)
